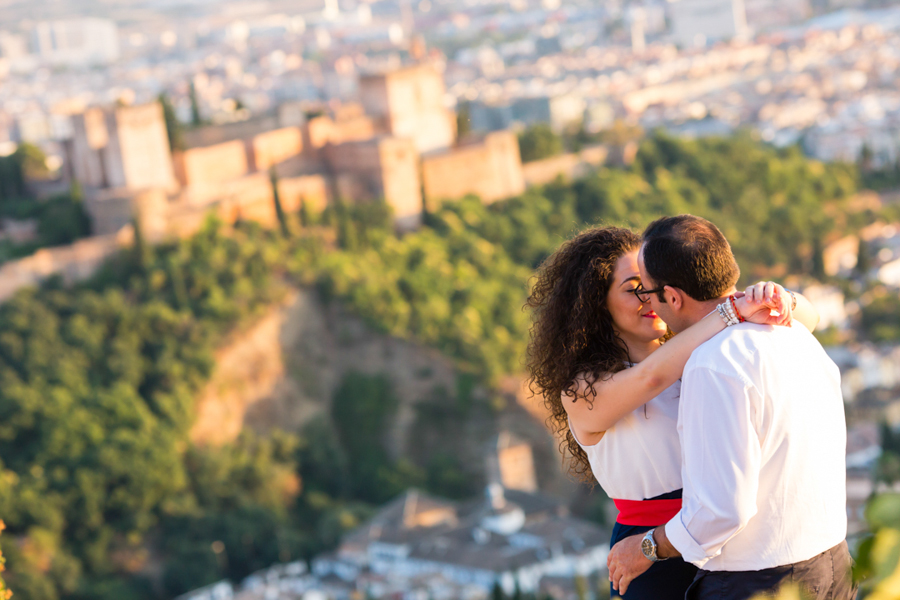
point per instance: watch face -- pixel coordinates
(647, 547)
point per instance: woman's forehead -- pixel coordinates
(627, 266)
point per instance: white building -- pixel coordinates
(829, 302)
(696, 22)
(889, 273)
(222, 590)
(77, 42)
(513, 538)
(865, 367)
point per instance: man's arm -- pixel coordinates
(719, 419)
(664, 548)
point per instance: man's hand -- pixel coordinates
(626, 561)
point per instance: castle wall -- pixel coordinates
(570, 166)
(359, 156)
(272, 147)
(385, 168)
(212, 164)
(248, 198)
(410, 102)
(211, 135)
(323, 130)
(111, 210)
(74, 263)
(490, 169)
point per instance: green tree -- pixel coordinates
(463, 119)
(539, 141)
(32, 161)
(62, 219)
(517, 592)
(863, 259)
(28, 162)
(141, 251)
(276, 199)
(497, 592)
(174, 130)
(12, 180)
(5, 592)
(306, 216)
(877, 565)
(818, 259)
(196, 118)
(362, 408)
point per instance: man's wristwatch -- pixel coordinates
(648, 547)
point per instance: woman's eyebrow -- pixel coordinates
(636, 278)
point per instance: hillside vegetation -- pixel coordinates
(102, 492)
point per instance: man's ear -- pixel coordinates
(674, 297)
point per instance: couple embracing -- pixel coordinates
(723, 446)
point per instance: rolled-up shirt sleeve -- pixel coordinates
(721, 455)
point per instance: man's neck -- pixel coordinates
(699, 310)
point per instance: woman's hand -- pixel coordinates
(766, 303)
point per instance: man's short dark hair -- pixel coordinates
(691, 254)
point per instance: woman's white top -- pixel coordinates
(640, 456)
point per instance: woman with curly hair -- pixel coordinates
(612, 386)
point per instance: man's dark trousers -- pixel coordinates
(823, 577)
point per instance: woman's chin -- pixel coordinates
(658, 328)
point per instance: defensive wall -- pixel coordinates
(570, 166)
(489, 168)
(73, 263)
(382, 167)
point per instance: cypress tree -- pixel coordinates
(818, 259)
(179, 288)
(276, 198)
(863, 259)
(196, 121)
(173, 127)
(142, 253)
(305, 214)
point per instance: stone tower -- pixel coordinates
(409, 103)
(122, 147)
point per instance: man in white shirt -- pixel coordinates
(763, 437)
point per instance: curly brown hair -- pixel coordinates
(573, 330)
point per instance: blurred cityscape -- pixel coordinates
(132, 133)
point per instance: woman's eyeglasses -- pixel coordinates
(643, 295)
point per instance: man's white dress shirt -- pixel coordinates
(763, 443)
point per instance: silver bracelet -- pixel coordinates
(729, 310)
(793, 300)
(726, 311)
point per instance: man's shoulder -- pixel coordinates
(732, 349)
(741, 335)
(747, 346)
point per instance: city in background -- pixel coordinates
(263, 264)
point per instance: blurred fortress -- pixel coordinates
(399, 144)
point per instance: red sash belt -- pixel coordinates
(647, 512)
